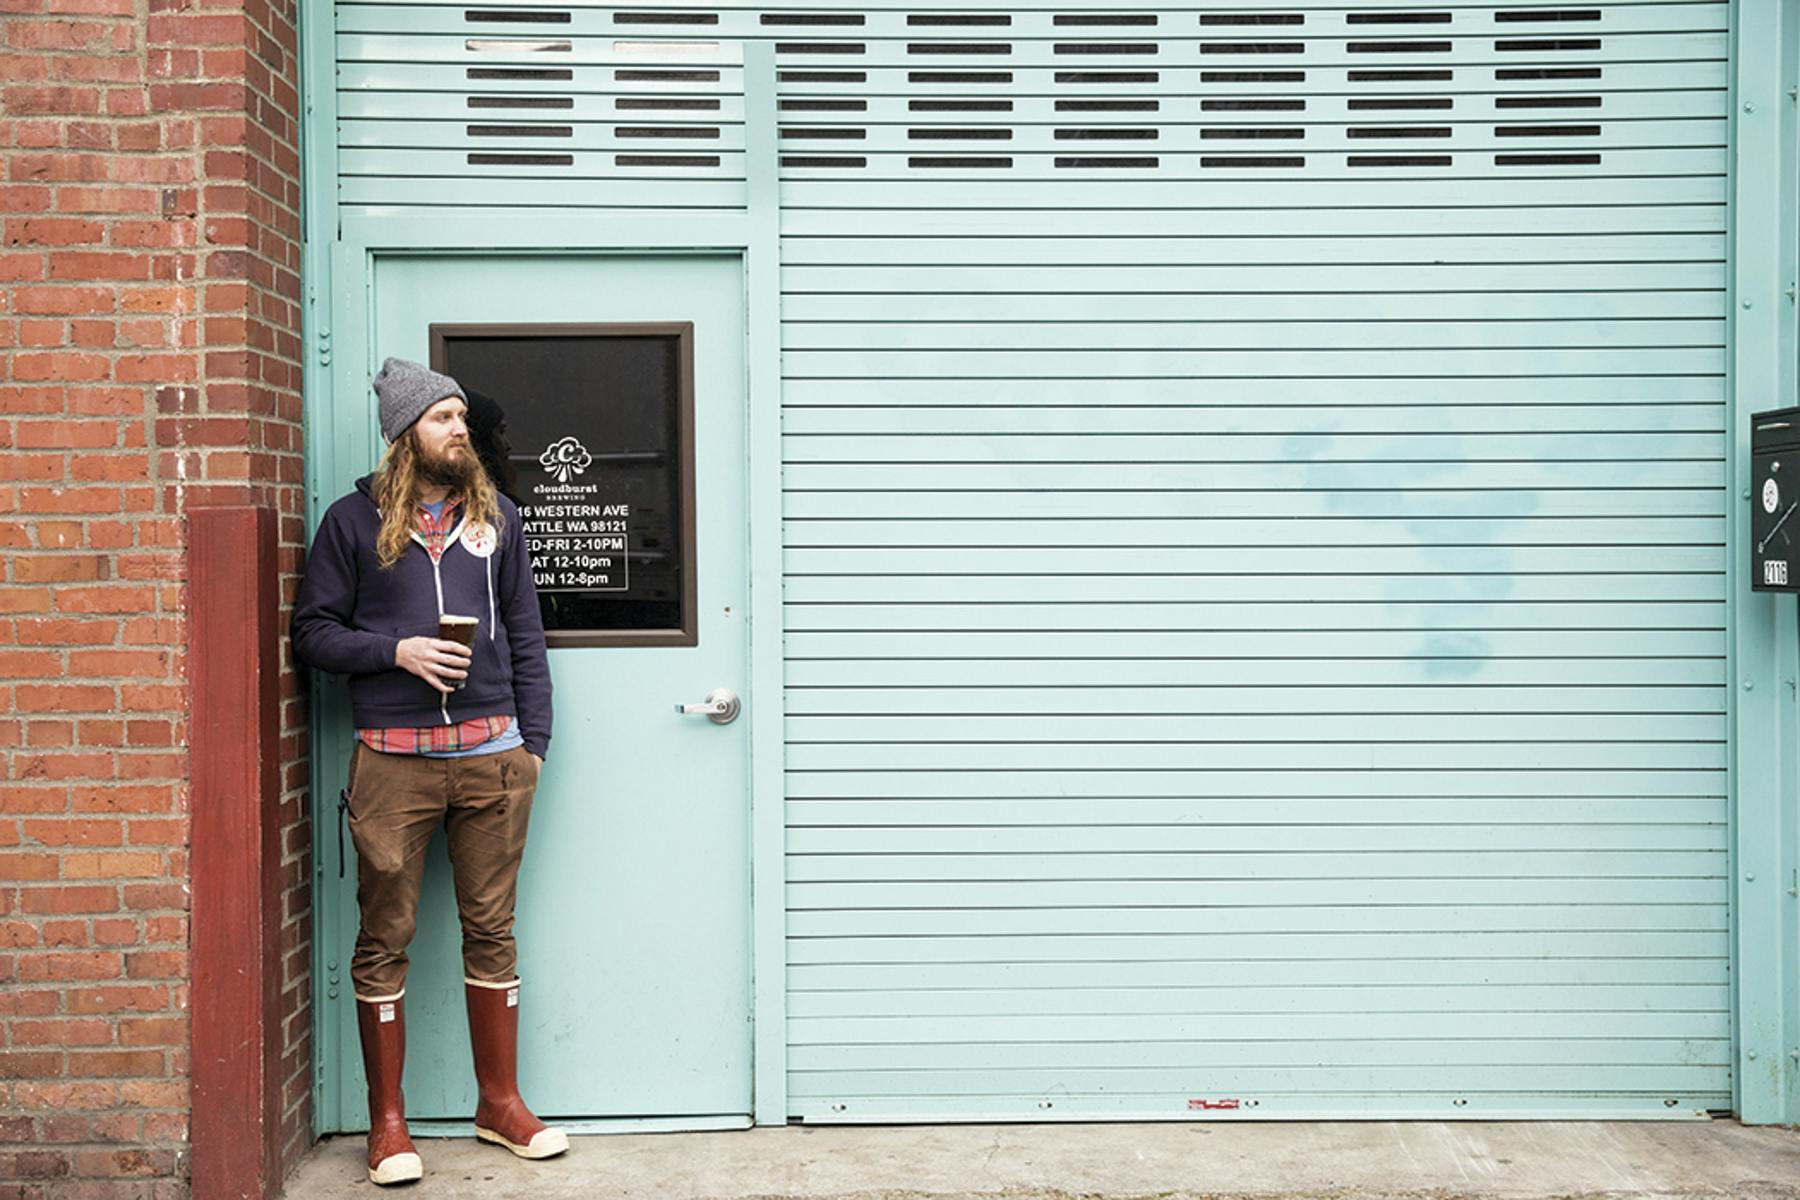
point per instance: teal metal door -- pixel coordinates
(633, 918)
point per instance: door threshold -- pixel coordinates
(595, 1125)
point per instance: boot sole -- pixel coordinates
(396, 1168)
(553, 1142)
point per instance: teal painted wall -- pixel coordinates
(1258, 525)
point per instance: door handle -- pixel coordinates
(721, 707)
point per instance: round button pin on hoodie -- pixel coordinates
(479, 539)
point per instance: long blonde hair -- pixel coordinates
(398, 481)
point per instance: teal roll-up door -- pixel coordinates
(1254, 491)
(1255, 546)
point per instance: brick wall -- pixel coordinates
(149, 326)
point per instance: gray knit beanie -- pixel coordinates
(406, 390)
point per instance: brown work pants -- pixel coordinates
(396, 802)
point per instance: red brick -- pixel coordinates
(156, 964)
(63, 766)
(61, 698)
(16, 399)
(63, 1033)
(114, 1063)
(66, 934)
(62, 300)
(124, 998)
(17, 935)
(152, 1031)
(101, 732)
(90, 964)
(73, 898)
(30, 664)
(47, 734)
(34, 1164)
(134, 798)
(114, 598)
(33, 1064)
(59, 568)
(154, 1094)
(149, 733)
(133, 864)
(69, 500)
(119, 932)
(51, 231)
(64, 631)
(17, 1002)
(16, 865)
(75, 832)
(66, 1096)
(100, 664)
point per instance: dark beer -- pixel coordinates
(461, 630)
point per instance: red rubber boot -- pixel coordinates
(501, 1116)
(392, 1156)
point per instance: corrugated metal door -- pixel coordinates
(1255, 522)
(1255, 530)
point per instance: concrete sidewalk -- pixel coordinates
(1313, 1161)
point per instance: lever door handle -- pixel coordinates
(721, 707)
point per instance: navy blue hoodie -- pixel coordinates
(351, 615)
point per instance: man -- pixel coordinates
(446, 735)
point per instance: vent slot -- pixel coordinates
(1138, 163)
(490, 159)
(1253, 47)
(1549, 14)
(959, 76)
(518, 45)
(959, 106)
(1399, 18)
(1400, 160)
(824, 133)
(822, 76)
(665, 103)
(917, 20)
(703, 132)
(1400, 131)
(522, 131)
(1425, 75)
(1107, 135)
(1270, 133)
(1546, 102)
(1106, 47)
(1256, 160)
(962, 164)
(1252, 19)
(517, 16)
(1108, 76)
(653, 75)
(1402, 103)
(1253, 105)
(1547, 131)
(824, 106)
(959, 47)
(665, 160)
(1400, 47)
(1098, 19)
(813, 19)
(1546, 160)
(521, 102)
(549, 74)
(1109, 106)
(1547, 73)
(1253, 77)
(665, 18)
(820, 48)
(1546, 45)
(817, 160)
(951, 134)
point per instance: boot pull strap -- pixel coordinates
(343, 807)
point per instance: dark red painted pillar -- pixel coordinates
(234, 729)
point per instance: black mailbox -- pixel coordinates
(1775, 500)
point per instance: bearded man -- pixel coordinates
(446, 735)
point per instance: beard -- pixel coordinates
(454, 469)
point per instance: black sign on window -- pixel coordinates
(589, 429)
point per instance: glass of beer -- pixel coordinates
(461, 630)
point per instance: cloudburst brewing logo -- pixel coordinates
(565, 459)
